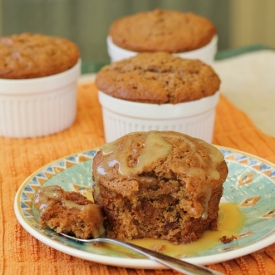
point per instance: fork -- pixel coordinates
(183, 267)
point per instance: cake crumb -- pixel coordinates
(225, 239)
(159, 247)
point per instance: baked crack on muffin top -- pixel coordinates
(159, 184)
(158, 78)
(29, 55)
(162, 30)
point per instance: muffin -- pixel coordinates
(158, 78)
(159, 184)
(68, 212)
(29, 55)
(158, 91)
(162, 30)
(38, 84)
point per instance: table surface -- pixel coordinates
(241, 75)
(248, 81)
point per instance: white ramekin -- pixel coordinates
(205, 54)
(194, 118)
(38, 106)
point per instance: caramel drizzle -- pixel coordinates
(154, 148)
(48, 193)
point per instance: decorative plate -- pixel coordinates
(250, 184)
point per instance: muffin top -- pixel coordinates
(144, 158)
(159, 78)
(162, 30)
(35, 55)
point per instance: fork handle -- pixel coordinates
(174, 263)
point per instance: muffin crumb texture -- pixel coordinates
(162, 30)
(68, 212)
(28, 55)
(158, 78)
(159, 184)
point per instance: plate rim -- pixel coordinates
(132, 262)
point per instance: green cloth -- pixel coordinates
(93, 67)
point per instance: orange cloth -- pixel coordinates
(22, 254)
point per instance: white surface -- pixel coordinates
(195, 118)
(38, 106)
(248, 81)
(206, 53)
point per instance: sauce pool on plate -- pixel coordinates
(230, 222)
